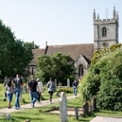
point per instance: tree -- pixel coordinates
(14, 57)
(58, 66)
(31, 45)
(104, 81)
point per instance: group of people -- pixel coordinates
(35, 88)
(13, 86)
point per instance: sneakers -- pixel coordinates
(17, 108)
(39, 102)
(32, 105)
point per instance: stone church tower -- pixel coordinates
(105, 31)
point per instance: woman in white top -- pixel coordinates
(40, 88)
(9, 92)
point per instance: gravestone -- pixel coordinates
(63, 107)
(68, 82)
(94, 104)
(56, 83)
(85, 108)
(8, 116)
(76, 113)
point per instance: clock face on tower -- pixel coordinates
(105, 44)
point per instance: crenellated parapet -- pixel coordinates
(115, 19)
(106, 21)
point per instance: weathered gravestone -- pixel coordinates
(68, 82)
(8, 116)
(76, 113)
(63, 107)
(94, 104)
(85, 108)
(56, 83)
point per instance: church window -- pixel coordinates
(80, 70)
(104, 31)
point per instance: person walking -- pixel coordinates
(51, 88)
(39, 89)
(75, 85)
(33, 86)
(17, 89)
(9, 91)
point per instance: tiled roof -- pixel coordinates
(37, 53)
(73, 50)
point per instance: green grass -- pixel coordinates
(39, 114)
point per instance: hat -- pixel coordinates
(37, 79)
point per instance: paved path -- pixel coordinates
(106, 119)
(28, 106)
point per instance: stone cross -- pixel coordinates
(63, 107)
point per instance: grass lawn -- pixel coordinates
(39, 114)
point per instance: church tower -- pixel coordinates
(105, 31)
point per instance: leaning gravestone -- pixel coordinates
(63, 107)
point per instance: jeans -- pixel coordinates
(17, 95)
(33, 96)
(75, 90)
(9, 96)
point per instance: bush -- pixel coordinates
(65, 89)
(104, 80)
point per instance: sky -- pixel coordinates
(58, 22)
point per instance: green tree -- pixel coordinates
(104, 80)
(31, 45)
(14, 57)
(58, 66)
(100, 53)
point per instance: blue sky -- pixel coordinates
(56, 21)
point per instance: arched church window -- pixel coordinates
(104, 31)
(80, 70)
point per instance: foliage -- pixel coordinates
(107, 51)
(14, 57)
(104, 80)
(58, 66)
(30, 45)
(65, 89)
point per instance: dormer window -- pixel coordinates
(104, 31)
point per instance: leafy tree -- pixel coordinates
(58, 66)
(104, 80)
(14, 57)
(31, 45)
(100, 53)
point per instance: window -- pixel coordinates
(80, 71)
(104, 31)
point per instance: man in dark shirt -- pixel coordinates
(32, 86)
(17, 89)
